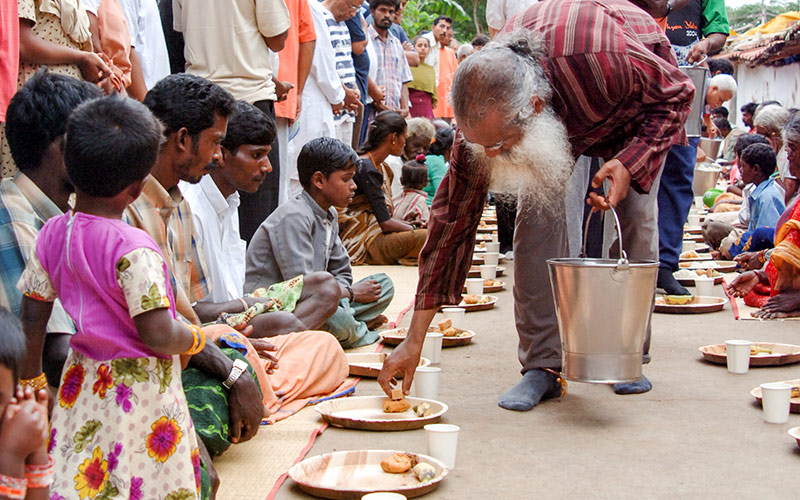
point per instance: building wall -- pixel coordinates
(764, 83)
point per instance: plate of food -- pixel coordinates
(379, 413)
(794, 402)
(688, 304)
(491, 286)
(487, 228)
(686, 277)
(795, 431)
(702, 248)
(693, 255)
(451, 338)
(369, 364)
(352, 474)
(483, 237)
(723, 266)
(471, 302)
(477, 259)
(698, 238)
(475, 271)
(692, 229)
(761, 354)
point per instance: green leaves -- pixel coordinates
(181, 494)
(129, 370)
(85, 435)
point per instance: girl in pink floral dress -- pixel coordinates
(120, 426)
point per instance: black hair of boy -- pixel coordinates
(414, 175)
(718, 65)
(248, 125)
(480, 40)
(443, 141)
(385, 123)
(37, 114)
(722, 124)
(12, 342)
(325, 155)
(721, 111)
(750, 107)
(760, 156)
(748, 139)
(110, 143)
(184, 100)
(448, 20)
(374, 4)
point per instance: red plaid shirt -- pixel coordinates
(618, 90)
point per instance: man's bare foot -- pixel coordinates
(762, 314)
(375, 323)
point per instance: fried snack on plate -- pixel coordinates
(471, 299)
(424, 472)
(485, 299)
(399, 463)
(422, 410)
(795, 391)
(450, 332)
(754, 349)
(444, 325)
(396, 406)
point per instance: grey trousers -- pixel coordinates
(538, 238)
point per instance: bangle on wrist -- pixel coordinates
(36, 383)
(350, 291)
(40, 476)
(245, 307)
(198, 340)
(13, 487)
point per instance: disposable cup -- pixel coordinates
(493, 247)
(383, 495)
(491, 258)
(775, 402)
(688, 246)
(494, 237)
(704, 286)
(442, 442)
(426, 382)
(456, 315)
(737, 353)
(694, 220)
(698, 202)
(432, 347)
(475, 286)
(488, 272)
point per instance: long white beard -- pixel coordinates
(536, 170)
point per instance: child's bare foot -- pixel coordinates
(373, 324)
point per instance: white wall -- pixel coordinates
(765, 83)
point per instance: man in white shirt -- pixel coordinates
(147, 38)
(498, 12)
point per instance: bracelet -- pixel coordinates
(762, 256)
(245, 307)
(13, 487)
(36, 383)
(350, 291)
(40, 476)
(198, 342)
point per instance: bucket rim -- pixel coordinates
(592, 262)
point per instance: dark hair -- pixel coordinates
(442, 18)
(37, 114)
(12, 347)
(719, 65)
(722, 123)
(760, 156)
(414, 174)
(722, 111)
(443, 142)
(418, 38)
(111, 142)
(767, 103)
(479, 40)
(325, 155)
(374, 4)
(746, 140)
(248, 125)
(750, 107)
(187, 101)
(385, 123)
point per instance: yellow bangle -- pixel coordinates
(198, 340)
(36, 383)
(244, 304)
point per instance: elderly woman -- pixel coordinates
(776, 289)
(366, 227)
(769, 122)
(419, 135)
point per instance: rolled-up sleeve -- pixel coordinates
(272, 17)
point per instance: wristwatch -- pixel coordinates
(239, 367)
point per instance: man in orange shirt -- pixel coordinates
(443, 59)
(295, 64)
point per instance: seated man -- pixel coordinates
(35, 125)
(302, 236)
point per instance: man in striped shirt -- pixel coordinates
(567, 78)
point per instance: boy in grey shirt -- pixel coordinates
(302, 236)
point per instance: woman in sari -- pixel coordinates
(366, 227)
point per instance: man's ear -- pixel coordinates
(537, 104)
(225, 154)
(318, 180)
(183, 140)
(135, 189)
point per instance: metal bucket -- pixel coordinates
(710, 147)
(698, 76)
(706, 175)
(603, 307)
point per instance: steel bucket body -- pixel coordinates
(698, 76)
(706, 176)
(711, 147)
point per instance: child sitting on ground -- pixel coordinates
(121, 424)
(412, 204)
(25, 468)
(302, 236)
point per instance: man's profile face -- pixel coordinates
(495, 135)
(440, 31)
(247, 168)
(747, 118)
(339, 188)
(206, 152)
(383, 16)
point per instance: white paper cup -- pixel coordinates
(491, 258)
(426, 382)
(737, 353)
(775, 402)
(442, 442)
(698, 202)
(456, 315)
(475, 286)
(432, 347)
(493, 247)
(488, 272)
(694, 220)
(383, 495)
(494, 237)
(704, 286)
(688, 246)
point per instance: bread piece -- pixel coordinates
(471, 299)
(397, 393)
(444, 325)
(399, 463)
(396, 406)
(450, 332)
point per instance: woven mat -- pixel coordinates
(255, 470)
(742, 310)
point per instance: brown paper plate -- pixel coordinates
(483, 237)
(701, 256)
(369, 364)
(794, 403)
(477, 259)
(490, 289)
(693, 229)
(487, 229)
(702, 248)
(690, 281)
(397, 335)
(366, 413)
(476, 307)
(698, 238)
(795, 433)
(352, 474)
(696, 306)
(475, 272)
(723, 266)
(489, 219)
(782, 354)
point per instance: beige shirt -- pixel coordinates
(225, 42)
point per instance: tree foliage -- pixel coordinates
(755, 14)
(418, 16)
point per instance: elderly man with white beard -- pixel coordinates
(566, 78)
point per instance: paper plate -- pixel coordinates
(782, 354)
(794, 403)
(483, 237)
(690, 281)
(490, 289)
(397, 335)
(489, 219)
(723, 266)
(702, 248)
(477, 259)
(700, 256)
(698, 238)
(369, 364)
(795, 433)
(476, 307)
(366, 413)
(352, 474)
(698, 304)
(693, 229)
(475, 272)
(487, 229)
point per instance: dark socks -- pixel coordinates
(534, 386)
(639, 387)
(668, 283)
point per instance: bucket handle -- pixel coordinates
(622, 262)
